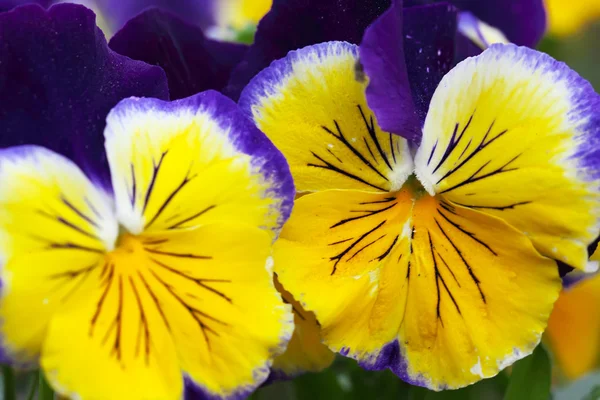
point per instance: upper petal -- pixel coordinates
(291, 25)
(313, 108)
(59, 80)
(515, 134)
(191, 161)
(192, 62)
(405, 54)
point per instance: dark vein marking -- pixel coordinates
(80, 213)
(448, 268)
(471, 273)
(156, 241)
(156, 168)
(370, 151)
(469, 234)
(133, 186)
(92, 208)
(369, 213)
(73, 246)
(156, 301)
(432, 152)
(482, 145)
(386, 200)
(71, 275)
(392, 147)
(194, 312)
(170, 198)
(180, 255)
(333, 168)
(389, 249)
(340, 136)
(473, 179)
(197, 281)
(119, 322)
(364, 247)
(454, 141)
(68, 224)
(107, 285)
(142, 326)
(339, 257)
(336, 157)
(373, 134)
(178, 224)
(340, 242)
(500, 208)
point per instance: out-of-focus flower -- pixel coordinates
(144, 253)
(569, 17)
(438, 266)
(573, 333)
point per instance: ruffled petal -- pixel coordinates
(193, 161)
(516, 134)
(192, 62)
(314, 110)
(291, 25)
(442, 295)
(54, 228)
(59, 80)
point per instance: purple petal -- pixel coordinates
(522, 21)
(294, 24)
(192, 62)
(401, 61)
(429, 38)
(197, 12)
(389, 93)
(59, 80)
(6, 5)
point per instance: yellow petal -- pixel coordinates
(510, 133)
(313, 108)
(442, 295)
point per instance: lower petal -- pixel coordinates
(111, 343)
(442, 295)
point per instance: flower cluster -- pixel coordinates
(228, 193)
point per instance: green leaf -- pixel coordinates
(531, 377)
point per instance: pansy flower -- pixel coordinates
(433, 256)
(137, 265)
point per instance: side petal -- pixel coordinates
(59, 80)
(54, 228)
(442, 295)
(192, 62)
(574, 328)
(315, 111)
(305, 351)
(169, 160)
(291, 25)
(515, 134)
(227, 320)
